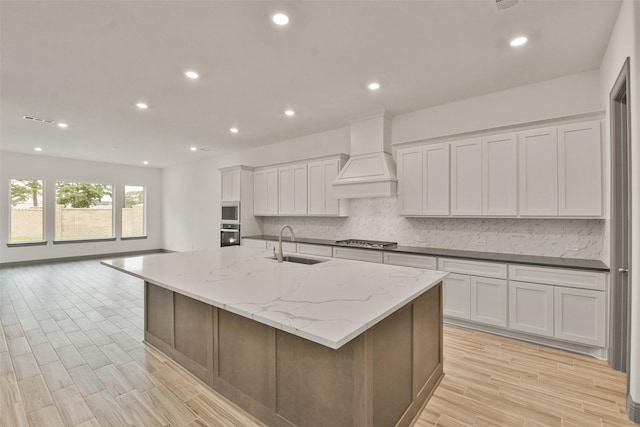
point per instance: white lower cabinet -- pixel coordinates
(254, 243)
(456, 296)
(286, 246)
(580, 316)
(357, 254)
(409, 260)
(531, 308)
(320, 250)
(489, 301)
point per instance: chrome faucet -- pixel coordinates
(293, 239)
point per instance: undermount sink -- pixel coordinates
(299, 259)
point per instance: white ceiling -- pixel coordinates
(88, 62)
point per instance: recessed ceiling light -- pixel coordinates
(280, 19)
(145, 162)
(142, 105)
(38, 149)
(374, 86)
(63, 125)
(233, 130)
(193, 148)
(518, 41)
(191, 74)
(290, 113)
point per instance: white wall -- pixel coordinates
(625, 42)
(191, 200)
(564, 96)
(52, 169)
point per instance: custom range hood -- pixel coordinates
(370, 171)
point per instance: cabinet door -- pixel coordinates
(531, 308)
(499, 175)
(331, 170)
(466, 177)
(410, 181)
(293, 190)
(456, 296)
(489, 301)
(538, 172)
(231, 186)
(260, 193)
(580, 170)
(435, 185)
(320, 177)
(580, 316)
(316, 188)
(272, 192)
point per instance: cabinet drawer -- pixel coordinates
(407, 260)
(475, 268)
(357, 254)
(304, 248)
(254, 243)
(559, 276)
(286, 246)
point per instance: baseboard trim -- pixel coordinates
(81, 258)
(597, 352)
(633, 410)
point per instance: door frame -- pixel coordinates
(620, 289)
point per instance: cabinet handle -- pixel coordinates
(623, 270)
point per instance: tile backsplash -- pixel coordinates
(377, 219)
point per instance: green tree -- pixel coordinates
(23, 190)
(133, 198)
(81, 194)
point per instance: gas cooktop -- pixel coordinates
(366, 243)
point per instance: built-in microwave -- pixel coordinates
(230, 213)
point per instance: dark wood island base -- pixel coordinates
(382, 378)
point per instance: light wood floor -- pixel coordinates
(71, 355)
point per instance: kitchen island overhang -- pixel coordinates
(336, 343)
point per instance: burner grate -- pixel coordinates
(366, 243)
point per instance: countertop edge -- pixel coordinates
(557, 262)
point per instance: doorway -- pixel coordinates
(620, 308)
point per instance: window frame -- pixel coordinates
(59, 241)
(144, 213)
(21, 243)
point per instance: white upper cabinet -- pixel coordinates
(265, 192)
(500, 175)
(410, 190)
(423, 180)
(293, 190)
(580, 169)
(538, 172)
(435, 199)
(466, 177)
(230, 186)
(321, 175)
(299, 189)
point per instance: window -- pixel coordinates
(133, 217)
(83, 211)
(27, 211)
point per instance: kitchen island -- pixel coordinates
(338, 343)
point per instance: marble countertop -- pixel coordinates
(329, 303)
(584, 264)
